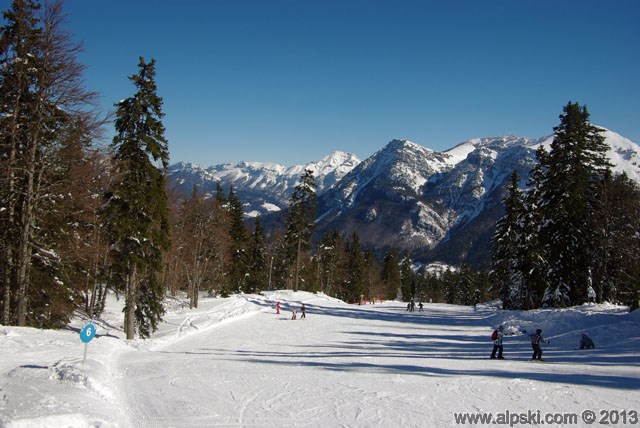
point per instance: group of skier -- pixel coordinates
(294, 314)
(497, 336)
(411, 306)
(536, 339)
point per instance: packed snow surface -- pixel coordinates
(234, 362)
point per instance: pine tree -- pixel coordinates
(504, 249)
(354, 270)
(300, 224)
(329, 254)
(616, 225)
(568, 192)
(239, 268)
(136, 214)
(258, 260)
(407, 283)
(391, 274)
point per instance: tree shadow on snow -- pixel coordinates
(464, 337)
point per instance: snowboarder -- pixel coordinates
(303, 310)
(278, 308)
(496, 336)
(586, 342)
(536, 339)
(293, 313)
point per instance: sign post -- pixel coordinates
(87, 333)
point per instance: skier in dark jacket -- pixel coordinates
(536, 339)
(497, 343)
(586, 342)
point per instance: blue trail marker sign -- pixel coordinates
(87, 333)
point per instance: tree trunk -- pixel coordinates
(130, 304)
(25, 249)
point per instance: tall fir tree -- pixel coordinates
(258, 260)
(354, 281)
(136, 214)
(391, 274)
(300, 224)
(616, 272)
(569, 192)
(239, 268)
(504, 250)
(407, 279)
(329, 254)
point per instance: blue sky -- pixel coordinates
(290, 81)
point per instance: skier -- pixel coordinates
(535, 344)
(420, 306)
(278, 308)
(293, 313)
(303, 311)
(496, 336)
(586, 342)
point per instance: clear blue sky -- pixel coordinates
(290, 81)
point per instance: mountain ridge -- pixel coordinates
(436, 205)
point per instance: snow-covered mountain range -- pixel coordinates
(262, 187)
(438, 205)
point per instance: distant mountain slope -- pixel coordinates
(262, 187)
(438, 205)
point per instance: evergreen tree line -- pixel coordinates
(573, 235)
(457, 286)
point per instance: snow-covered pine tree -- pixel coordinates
(568, 191)
(300, 224)
(505, 249)
(616, 225)
(135, 213)
(328, 254)
(239, 259)
(258, 260)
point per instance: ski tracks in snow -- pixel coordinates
(343, 366)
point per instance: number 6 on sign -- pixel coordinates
(88, 332)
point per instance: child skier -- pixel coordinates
(303, 310)
(278, 308)
(536, 339)
(497, 342)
